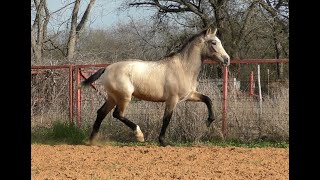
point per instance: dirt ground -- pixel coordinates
(153, 162)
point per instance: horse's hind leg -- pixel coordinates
(101, 114)
(119, 114)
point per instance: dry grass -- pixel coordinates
(49, 97)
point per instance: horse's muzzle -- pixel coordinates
(226, 60)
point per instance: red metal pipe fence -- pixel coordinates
(76, 74)
(251, 81)
(79, 75)
(70, 94)
(225, 101)
(78, 96)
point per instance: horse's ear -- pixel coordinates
(208, 31)
(215, 31)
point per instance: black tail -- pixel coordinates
(92, 78)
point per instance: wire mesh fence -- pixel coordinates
(50, 96)
(245, 121)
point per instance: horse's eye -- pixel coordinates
(213, 42)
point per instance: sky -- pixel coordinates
(104, 13)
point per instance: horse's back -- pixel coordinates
(142, 79)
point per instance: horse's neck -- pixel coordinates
(191, 61)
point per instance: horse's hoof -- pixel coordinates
(140, 138)
(90, 142)
(87, 143)
(139, 135)
(93, 142)
(163, 144)
(209, 121)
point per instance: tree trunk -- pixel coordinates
(219, 14)
(36, 50)
(38, 30)
(76, 28)
(73, 34)
(279, 65)
(277, 48)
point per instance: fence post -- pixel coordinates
(70, 93)
(251, 90)
(225, 101)
(260, 94)
(268, 80)
(78, 96)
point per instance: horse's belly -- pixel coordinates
(149, 92)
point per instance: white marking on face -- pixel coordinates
(220, 47)
(220, 52)
(217, 39)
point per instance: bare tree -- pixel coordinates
(240, 25)
(76, 27)
(200, 8)
(208, 12)
(278, 11)
(39, 28)
(236, 20)
(41, 41)
(248, 29)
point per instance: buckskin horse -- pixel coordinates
(172, 79)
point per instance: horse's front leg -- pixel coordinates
(198, 97)
(170, 106)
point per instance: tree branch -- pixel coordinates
(85, 17)
(196, 10)
(274, 14)
(143, 3)
(46, 20)
(175, 6)
(163, 9)
(72, 35)
(279, 4)
(55, 47)
(142, 37)
(38, 13)
(246, 21)
(63, 7)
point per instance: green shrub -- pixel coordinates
(60, 132)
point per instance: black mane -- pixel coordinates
(201, 33)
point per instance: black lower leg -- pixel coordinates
(116, 114)
(166, 119)
(101, 114)
(208, 102)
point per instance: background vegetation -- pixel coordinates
(249, 29)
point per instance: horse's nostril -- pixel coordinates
(226, 60)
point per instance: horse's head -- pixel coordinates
(213, 49)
